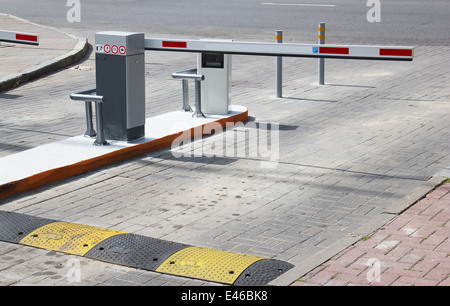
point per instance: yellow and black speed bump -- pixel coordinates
(14, 227)
(139, 251)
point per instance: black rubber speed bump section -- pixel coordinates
(14, 226)
(262, 272)
(134, 251)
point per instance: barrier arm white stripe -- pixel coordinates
(19, 37)
(394, 53)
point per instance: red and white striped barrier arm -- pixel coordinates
(289, 50)
(20, 38)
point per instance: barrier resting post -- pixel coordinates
(191, 74)
(186, 106)
(88, 97)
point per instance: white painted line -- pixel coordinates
(300, 4)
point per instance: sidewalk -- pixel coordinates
(350, 151)
(22, 63)
(411, 250)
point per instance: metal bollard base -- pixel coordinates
(198, 115)
(100, 143)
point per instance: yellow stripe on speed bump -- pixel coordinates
(67, 237)
(208, 264)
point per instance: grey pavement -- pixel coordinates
(349, 151)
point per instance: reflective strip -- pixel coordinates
(31, 38)
(21, 38)
(396, 52)
(333, 50)
(174, 44)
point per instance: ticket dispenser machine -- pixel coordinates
(120, 78)
(215, 92)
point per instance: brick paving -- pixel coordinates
(349, 151)
(411, 250)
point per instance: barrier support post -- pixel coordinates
(90, 132)
(100, 140)
(198, 100)
(186, 106)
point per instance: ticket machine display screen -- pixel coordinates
(213, 60)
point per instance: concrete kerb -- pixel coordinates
(415, 196)
(445, 172)
(76, 54)
(306, 263)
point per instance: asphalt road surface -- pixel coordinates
(402, 22)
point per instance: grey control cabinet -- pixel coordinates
(120, 78)
(216, 87)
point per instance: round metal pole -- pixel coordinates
(90, 132)
(198, 100)
(321, 60)
(100, 140)
(279, 73)
(186, 106)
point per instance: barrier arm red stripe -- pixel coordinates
(333, 50)
(31, 38)
(20, 38)
(174, 44)
(396, 52)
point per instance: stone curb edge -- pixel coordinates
(77, 53)
(415, 196)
